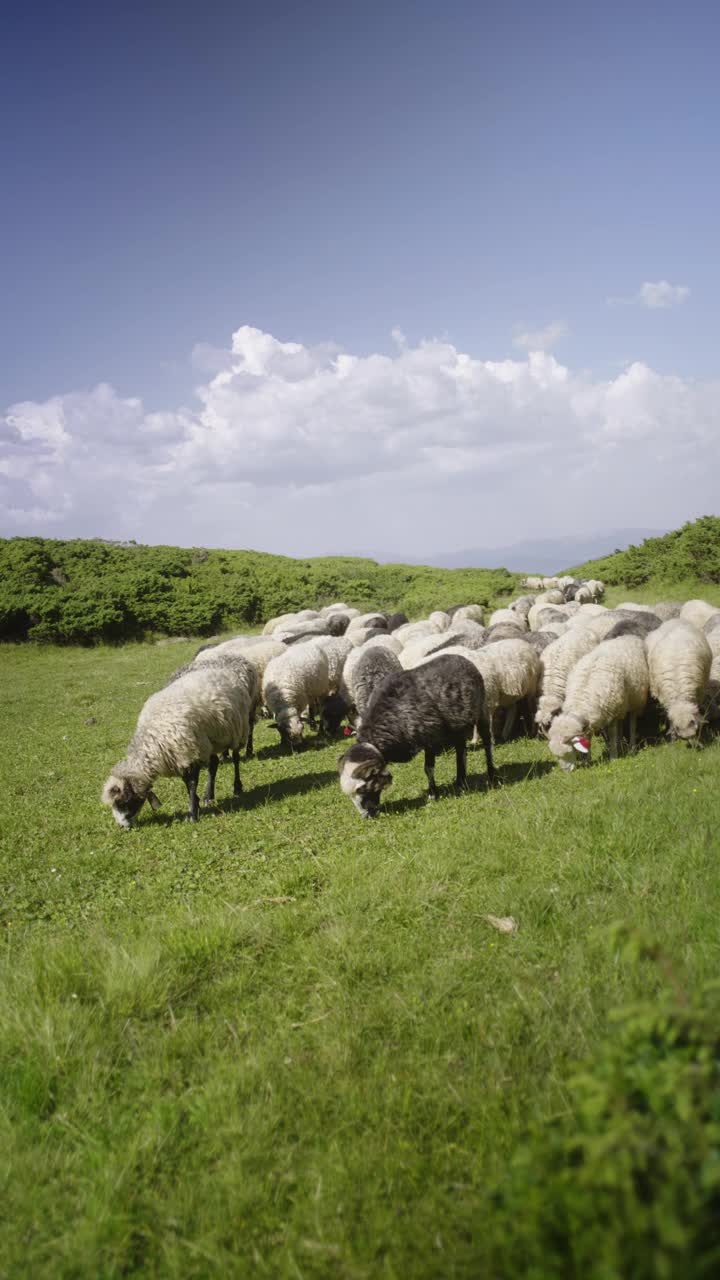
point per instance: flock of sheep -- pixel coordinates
(554, 661)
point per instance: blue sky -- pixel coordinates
(326, 173)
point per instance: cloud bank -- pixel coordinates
(312, 450)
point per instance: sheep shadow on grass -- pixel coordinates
(506, 775)
(279, 789)
(276, 750)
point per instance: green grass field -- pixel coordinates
(285, 1042)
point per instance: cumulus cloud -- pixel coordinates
(313, 449)
(541, 339)
(657, 296)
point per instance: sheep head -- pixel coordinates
(363, 778)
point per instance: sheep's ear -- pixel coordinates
(582, 745)
(153, 801)
(273, 725)
(386, 778)
(114, 791)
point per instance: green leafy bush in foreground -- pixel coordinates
(627, 1182)
(88, 591)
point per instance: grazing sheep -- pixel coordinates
(666, 609)
(440, 618)
(336, 650)
(609, 683)
(368, 673)
(522, 606)
(556, 663)
(337, 607)
(289, 620)
(414, 630)
(548, 615)
(533, 584)
(429, 709)
(508, 615)
(467, 613)
(184, 726)
(584, 595)
(640, 624)
(366, 620)
(679, 658)
(697, 612)
(539, 640)
(296, 681)
(396, 620)
(337, 624)
(505, 631)
(510, 670)
(240, 668)
(570, 591)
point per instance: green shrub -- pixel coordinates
(91, 591)
(690, 552)
(627, 1182)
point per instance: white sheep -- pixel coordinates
(468, 613)
(289, 620)
(184, 726)
(556, 662)
(533, 584)
(414, 630)
(609, 683)
(440, 618)
(679, 658)
(336, 650)
(510, 670)
(509, 615)
(697, 612)
(294, 682)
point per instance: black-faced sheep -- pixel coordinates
(429, 709)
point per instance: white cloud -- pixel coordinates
(541, 339)
(656, 296)
(311, 449)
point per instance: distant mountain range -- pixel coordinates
(537, 555)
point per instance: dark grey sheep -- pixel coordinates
(395, 620)
(539, 639)
(640, 625)
(505, 631)
(337, 624)
(430, 709)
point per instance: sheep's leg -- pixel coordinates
(510, 718)
(191, 777)
(485, 734)
(430, 773)
(612, 740)
(210, 788)
(237, 784)
(249, 749)
(475, 737)
(461, 764)
(632, 730)
(312, 716)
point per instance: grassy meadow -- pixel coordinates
(286, 1042)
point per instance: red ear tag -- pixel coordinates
(582, 744)
(347, 731)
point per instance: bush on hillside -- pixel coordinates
(90, 591)
(690, 552)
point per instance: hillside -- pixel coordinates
(89, 591)
(692, 552)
